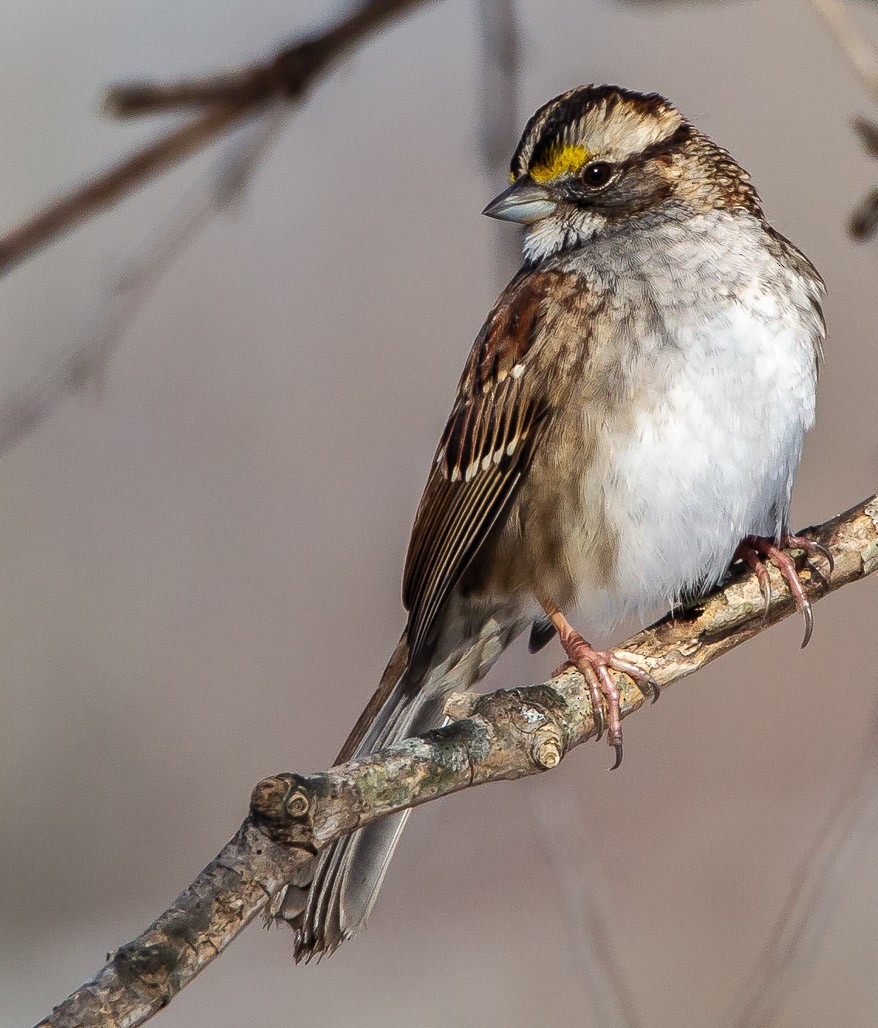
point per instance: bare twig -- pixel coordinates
(86, 362)
(863, 59)
(848, 827)
(500, 35)
(105, 190)
(860, 53)
(256, 98)
(500, 67)
(500, 736)
(569, 850)
(229, 99)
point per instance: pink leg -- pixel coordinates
(595, 667)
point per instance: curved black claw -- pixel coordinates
(825, 554)
(765, 586)
(600, 721)
(808, 615)
(810, 549)
(818, 550)
(618, 748)
(754, 550)
(646, 684)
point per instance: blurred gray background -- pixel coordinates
(201, 558)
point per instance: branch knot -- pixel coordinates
(282, 806)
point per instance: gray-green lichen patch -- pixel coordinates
(188, 924)
(152, 965)
(420, 767)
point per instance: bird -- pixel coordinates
(628, 424)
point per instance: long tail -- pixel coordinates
(349, 873)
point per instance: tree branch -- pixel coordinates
(229, 99)
(863, 59)
(499, 736)
(850, 37)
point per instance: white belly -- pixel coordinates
(706, 451)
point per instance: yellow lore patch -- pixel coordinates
(563, 160)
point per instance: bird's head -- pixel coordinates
(597, 156)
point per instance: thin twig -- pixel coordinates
(103, 191)
(500, 67)
(860, 53)
(228, 98)
(501, 46)
(84, 365)
(863, 59)
(819, 875)
(499, 736)
(594, 961)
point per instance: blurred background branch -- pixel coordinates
(252, 102)
(229, 98)
(863, 59)
(856, 47)
(498, 736)
(85, 366)
(846, 835)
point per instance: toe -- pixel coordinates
(808, 615)
(641, 678)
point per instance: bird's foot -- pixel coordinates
(595, 666)
(755, 550)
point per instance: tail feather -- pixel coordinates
(337, 901)
(345, 894)
(349, 873)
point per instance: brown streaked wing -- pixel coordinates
(498, 417)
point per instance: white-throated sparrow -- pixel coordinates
(629, 421)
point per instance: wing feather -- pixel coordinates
(501, 411)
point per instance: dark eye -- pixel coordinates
(596, 174)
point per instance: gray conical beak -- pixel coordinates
(524, 202)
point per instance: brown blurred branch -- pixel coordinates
(85, 364)
(847, 831)
(859, 51)
(863, 59)
(229, 99)
(499, 736)
(502, 48)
